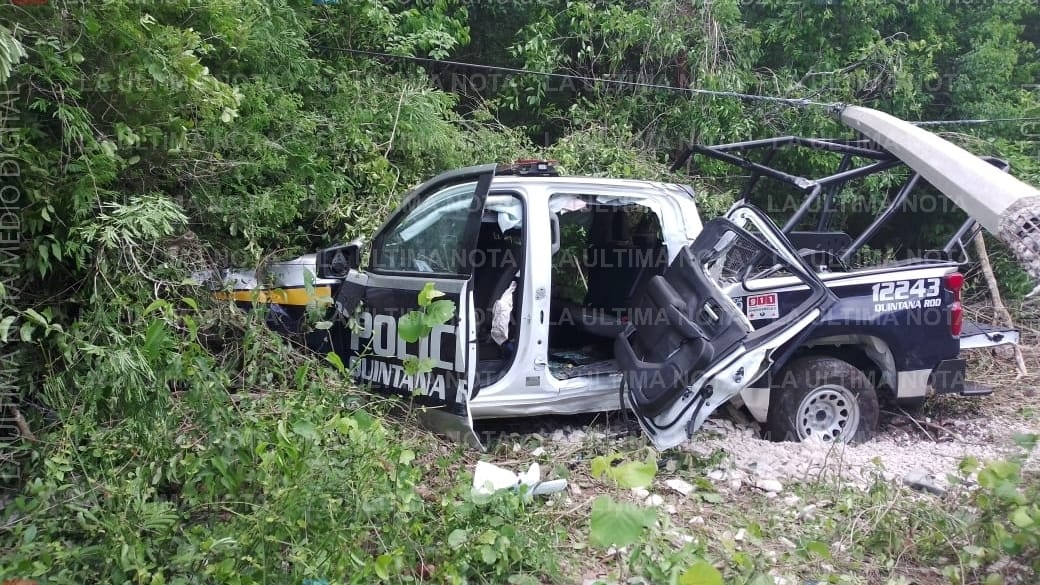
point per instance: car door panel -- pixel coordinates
(689, 348)
(429, 240)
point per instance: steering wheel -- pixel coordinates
(828, 257)
(423, 263)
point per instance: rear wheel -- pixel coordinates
(825, 398)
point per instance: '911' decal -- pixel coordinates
(906, 294)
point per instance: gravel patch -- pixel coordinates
(894, 454)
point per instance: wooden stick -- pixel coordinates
(998, 303)
(21, 423)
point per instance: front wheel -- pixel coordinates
(825, 398)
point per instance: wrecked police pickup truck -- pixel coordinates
(581, 294)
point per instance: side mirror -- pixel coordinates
(337, 261)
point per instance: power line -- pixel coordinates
(793, 102)
(971, 122)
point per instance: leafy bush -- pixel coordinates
(293, 476)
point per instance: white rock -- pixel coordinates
(792, 500)
(734, 484)
(717, 475)
(538, 452)
(577, 436)
(671, 509)
(641, 493)
(697, 520)
(807, 512)
(681, 486)
(558, 436)
(769, 485)
(653, 500)
(740, 535)
(921, 480)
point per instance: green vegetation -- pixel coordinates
(168, 438)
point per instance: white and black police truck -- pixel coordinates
(583, 294)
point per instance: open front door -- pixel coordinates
(429, 240)
(689, 348)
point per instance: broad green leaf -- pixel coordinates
(1004, 469)
(968, 465)
(1009, 492)
(156, 304)
(1026, 441)
(29, 535)
(383, 565)
(415, 366)
(634, 474)
(711, 497)
(457, 538)
(428, 293)
(411, 327)
(1021, 517)
(305, 429)
(40, 319)
(602, 464)
(618, 523)
(5, 327)
(818, 548)
(337, 362)
(488, 555)
(701, 573)
(439, 313)
(301, 374)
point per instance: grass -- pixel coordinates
(298, 475)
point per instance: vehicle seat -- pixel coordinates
(680, 324)
(618, 270)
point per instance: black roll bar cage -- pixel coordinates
(737, 154)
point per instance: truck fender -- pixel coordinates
(865, 347)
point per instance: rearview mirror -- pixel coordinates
(337, 261)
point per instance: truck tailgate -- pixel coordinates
(975, 335)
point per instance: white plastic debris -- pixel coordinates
(500, 312)
(489, 478)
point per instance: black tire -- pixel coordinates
(822, 395)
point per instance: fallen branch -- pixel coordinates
(22, 425)
(911, 419)
(998, 303)
(924, 423)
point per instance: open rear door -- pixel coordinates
(689, 348)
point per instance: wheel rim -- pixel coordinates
(829, 412)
